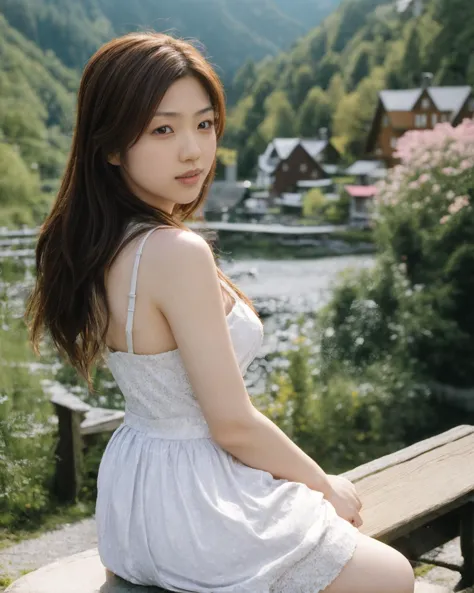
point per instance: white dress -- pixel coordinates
(176, 510)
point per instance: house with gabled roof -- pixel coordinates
(367, 172)
(289, 160)
(415, 109)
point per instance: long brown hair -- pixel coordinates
(121, 87)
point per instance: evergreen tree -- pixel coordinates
(411, 66)
(280, 118)
(336, 90)
(315, 113)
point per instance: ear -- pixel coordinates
(114, 159)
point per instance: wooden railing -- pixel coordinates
(77, 421)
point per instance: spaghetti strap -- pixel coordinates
(230, 290)
(133, 291)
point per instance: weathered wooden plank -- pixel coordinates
(60, 396)
(408, 453)
(99, 420)
(416, 491)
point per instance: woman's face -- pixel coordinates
(181, 138)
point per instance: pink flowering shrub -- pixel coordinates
(434, 176)
(421, 292)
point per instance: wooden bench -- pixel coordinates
(415, 500)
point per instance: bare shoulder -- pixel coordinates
(178, 263)
(172, 248)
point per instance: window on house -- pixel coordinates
(434, 119)
(378, 151)
(425, 103)
(303, 168)
(444, 117)
(421, 120)
(393, 142)
(284, 167)
(385, 121)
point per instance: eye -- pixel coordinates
(161, 131)
(209, 122)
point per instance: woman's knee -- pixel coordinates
(374, 568)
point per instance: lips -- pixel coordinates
(192, 173)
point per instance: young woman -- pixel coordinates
(197, 490)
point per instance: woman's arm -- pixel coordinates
(186, 290)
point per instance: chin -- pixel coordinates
(186, 197)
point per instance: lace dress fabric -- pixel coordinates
(176, 510)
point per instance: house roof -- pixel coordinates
(364, 167)
(402, 5)
(285, 146)
(330, 169)
(361, 191)
(314, 147)
(446, 98)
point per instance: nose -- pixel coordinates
(190, 149)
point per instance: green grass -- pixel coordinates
(5, 581)
(422, 569)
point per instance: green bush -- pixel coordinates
(416, 304)
(342, 417)
(27, 437)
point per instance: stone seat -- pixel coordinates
(81, 573)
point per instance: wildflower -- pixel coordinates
(424, 177)
(459, 203)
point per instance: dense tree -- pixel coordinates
(302, 81)
(279, 117)
(355, 112)
(363, 47)
(230, 32)
(360, 66)
(336, 90)
(411, 65)
(315, 113)
(454, 45)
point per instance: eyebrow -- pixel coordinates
(175, 114)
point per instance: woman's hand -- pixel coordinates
(344, 498)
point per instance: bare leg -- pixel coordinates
(374, 568)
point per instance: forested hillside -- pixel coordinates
(329, 77)
(332, 75)
(36, 111)
(230, 31)
(44, 45)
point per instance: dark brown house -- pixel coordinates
(287, 161)
(415, 109)
(298, 166)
